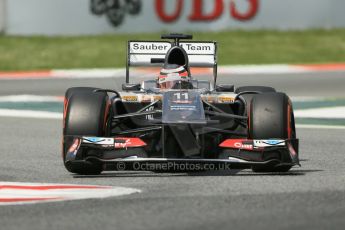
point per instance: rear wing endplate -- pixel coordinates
(200, 54)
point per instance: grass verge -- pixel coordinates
(235, 47)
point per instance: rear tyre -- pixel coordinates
(271, 116)
(84, 115)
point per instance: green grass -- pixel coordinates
(235, 47)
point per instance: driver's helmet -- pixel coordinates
(174, 77)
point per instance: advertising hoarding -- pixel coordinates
(87, 17)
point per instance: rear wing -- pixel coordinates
(144, 53)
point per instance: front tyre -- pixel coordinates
(271, 116)
(85, 114)
(261, 89)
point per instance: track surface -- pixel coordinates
(307, 84)
(310, 197)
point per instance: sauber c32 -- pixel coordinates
(203, 124)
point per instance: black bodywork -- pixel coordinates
(178, 127)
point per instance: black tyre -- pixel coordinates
(251, 91)
(271, 116)
(73, 90)
(262, 89)
(268, 116)
(85, 115)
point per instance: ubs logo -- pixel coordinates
(115, 10)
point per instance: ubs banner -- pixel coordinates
(78, 17)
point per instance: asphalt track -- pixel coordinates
(309, 197)
(323, 84)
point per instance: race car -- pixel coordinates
(176, 120)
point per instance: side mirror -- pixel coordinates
(225, 88)
(131, 87)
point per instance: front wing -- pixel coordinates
(119, 154)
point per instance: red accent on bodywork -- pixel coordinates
(108, 103)
(62, 148)
(65, 104)
(291, 150)
(74, 146)
(249, 108)
(128, 142)
(237, 144)
(289, 130)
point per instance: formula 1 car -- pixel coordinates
(197, 125)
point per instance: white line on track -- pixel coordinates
(30, 114)
(261, 69)
(16, 193)
(328, 113)
(30, 98)
(301, 126)
(89, 73)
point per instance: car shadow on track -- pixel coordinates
(297, 172)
